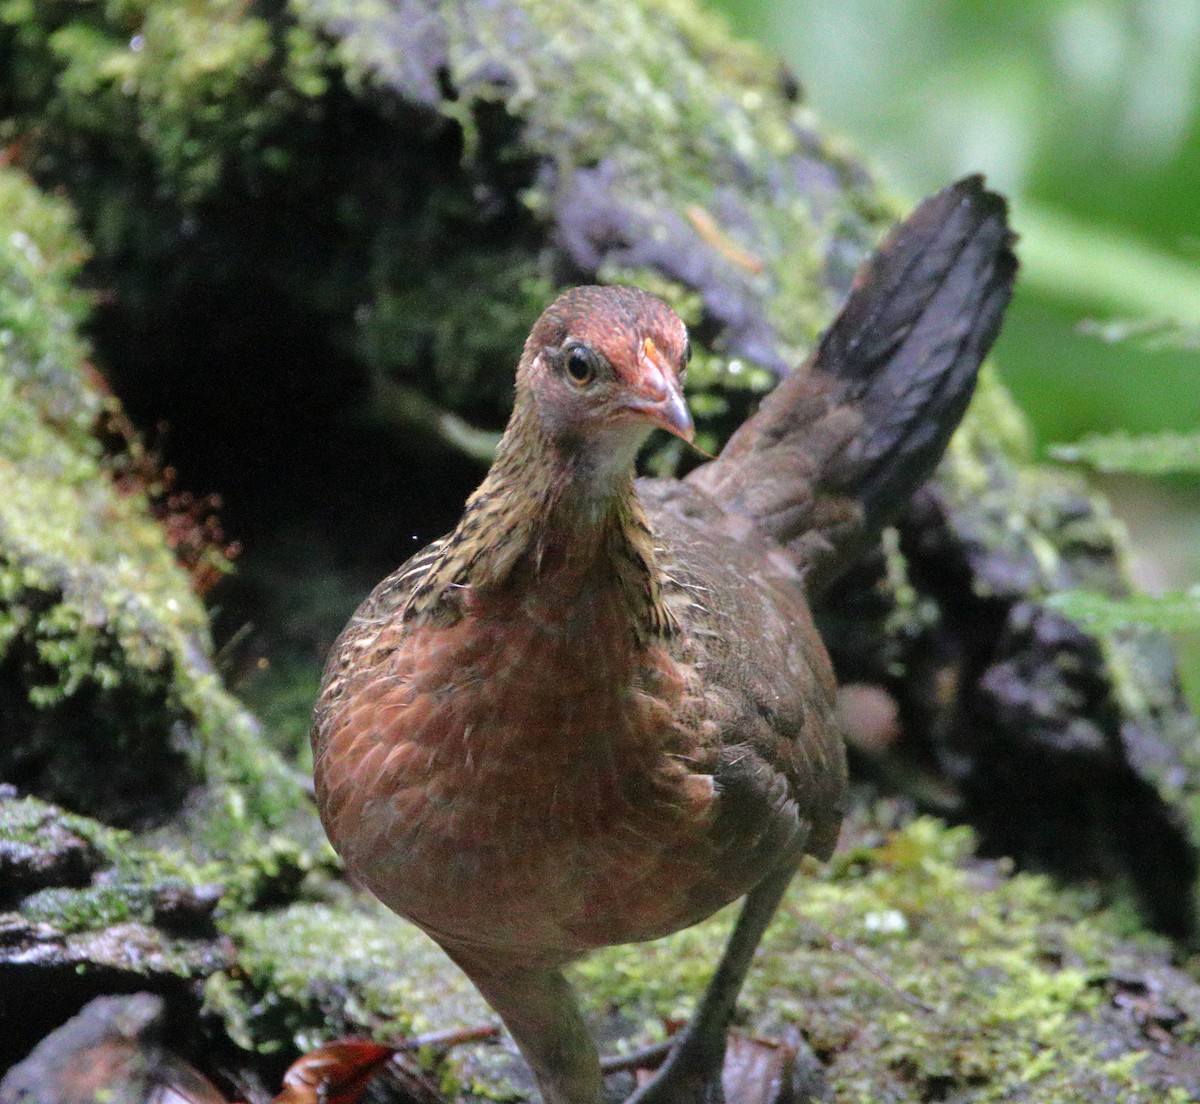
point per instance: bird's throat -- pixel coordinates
(549, 515)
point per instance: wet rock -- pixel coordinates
(110, 1052)
(38, 848)
(107, 917)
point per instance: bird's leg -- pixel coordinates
(539, 1009)
(692, 1072)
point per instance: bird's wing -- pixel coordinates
(767, 701)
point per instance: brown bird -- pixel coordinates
(599, 710)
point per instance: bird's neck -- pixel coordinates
(550, 513)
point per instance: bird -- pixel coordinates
(599, 710)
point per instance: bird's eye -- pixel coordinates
(580, 365)
(687, 356)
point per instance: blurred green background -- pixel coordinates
(1087, 114)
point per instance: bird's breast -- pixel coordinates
(528, 770)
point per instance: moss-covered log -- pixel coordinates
(109, 699)
(314, 237)
(1069, 750)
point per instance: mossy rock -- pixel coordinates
(95, 613)
(108, 695)
(452, 165)
(1069, 749)
(915, 971)
(105, 654)
(86, 910)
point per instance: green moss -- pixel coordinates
(27, 821)
(1007, 500)
(76, 910)
(913, 970)
(98, 623)
(187, 82)
(40, 253)
(453, 320)
(65, 532)
(127, 872)
(1009, 968)
(580, 102)
(682, 113)
(995, 422)
(122, 917)
(311, 972)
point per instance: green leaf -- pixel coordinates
(1174, 611)
(1114, 269)
(1154, 454)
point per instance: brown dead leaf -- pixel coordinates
(337, 1073)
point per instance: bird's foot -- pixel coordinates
(747, 1071)
(691, 1073)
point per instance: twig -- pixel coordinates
(407, 407)
(647, 1057)
(451, 1038)
(855, 952)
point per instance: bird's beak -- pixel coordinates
(658, 395)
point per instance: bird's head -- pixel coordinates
(602, 367)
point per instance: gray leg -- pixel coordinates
(692, 1072)
(540, 1012)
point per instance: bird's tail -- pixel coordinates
(834, 452)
